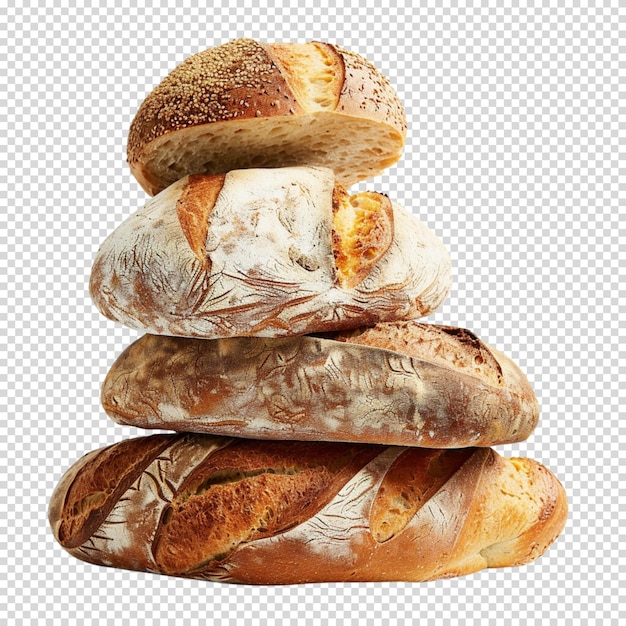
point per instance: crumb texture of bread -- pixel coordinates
(245, 104)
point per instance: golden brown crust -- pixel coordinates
(194, 208)
(282, 484)
(93, 491)
(362, 234)
(237, 80)
(392, 384)
(279, 513)
(542, 493)
(367, 92)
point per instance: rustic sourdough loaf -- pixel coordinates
(250, 104)
(398, 383)
(293, 512)
(267, 252)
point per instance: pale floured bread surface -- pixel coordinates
(245, 104)
(294, 512)
(254, 254)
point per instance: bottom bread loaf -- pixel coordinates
(267, 512)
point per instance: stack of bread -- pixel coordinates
(322, 433)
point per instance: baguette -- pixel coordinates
(276, 252)
(398, 383)
(249, 104)
(245, 511)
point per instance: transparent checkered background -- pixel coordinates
(513, 158)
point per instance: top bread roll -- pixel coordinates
(250, 104)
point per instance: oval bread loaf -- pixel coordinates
(249, 104)
(245, 511)
(398, 383)
(273, 252)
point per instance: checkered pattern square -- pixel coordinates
(513, 157)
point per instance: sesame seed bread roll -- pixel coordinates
(398, 383)
(245, 511)
(269, 253)
(249, 104)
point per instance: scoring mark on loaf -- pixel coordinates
(194, 207)
(96, 490)
(139, 506)
(249, 491)
(314, 71)
(413, 479)
(445, 346)
(362, 234)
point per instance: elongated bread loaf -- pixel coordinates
(398, 383)
(250, 104)
(274, 252)
(256, 512)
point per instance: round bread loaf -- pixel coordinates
(249, 104)
(246, 511)
(267, 252)
(399, 383)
